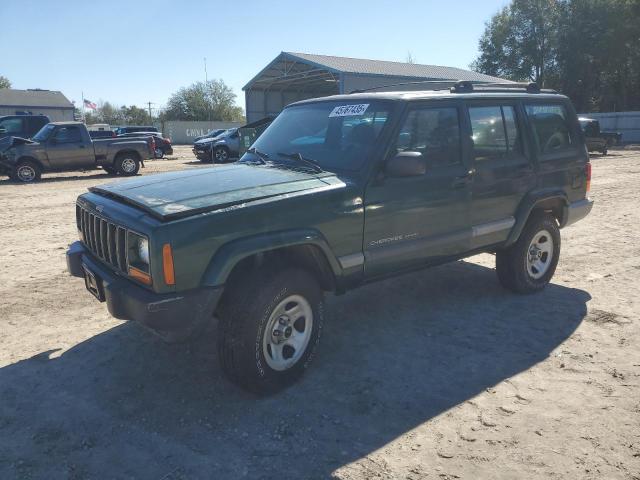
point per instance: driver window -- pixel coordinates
(68, 135)
(434, 132)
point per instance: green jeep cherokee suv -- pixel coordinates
(336, 193)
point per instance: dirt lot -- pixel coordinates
(440, 374)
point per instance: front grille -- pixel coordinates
(104, 239)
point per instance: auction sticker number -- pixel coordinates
(349, 110)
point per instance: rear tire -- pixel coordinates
(269, 328)
(26, 171)
(127, 164)
(529, 264)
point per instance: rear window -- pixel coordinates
(550, 127)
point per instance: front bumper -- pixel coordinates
(577, 211)
(179, 313)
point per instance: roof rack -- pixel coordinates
(420, 82)
(465, 86)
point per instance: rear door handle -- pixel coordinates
(462, 180)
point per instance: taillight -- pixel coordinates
(587, 169)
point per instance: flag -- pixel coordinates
(90, 104)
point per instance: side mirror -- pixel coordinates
(406, 164)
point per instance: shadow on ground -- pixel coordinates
(393, 355)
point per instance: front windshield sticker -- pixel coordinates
(349, 110)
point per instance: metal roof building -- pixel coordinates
(297, 76)
(36, 102)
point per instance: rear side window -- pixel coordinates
(494, 132)
(435, 132)
(550, 127)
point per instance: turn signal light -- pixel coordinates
(142, 277)
(167, 265)
(588, 172)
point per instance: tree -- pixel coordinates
(587, 49)
(212, 100)
(134, 115)
(519, 41)
(4, 82)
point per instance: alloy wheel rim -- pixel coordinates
(287, 334)
(128, 165)
(539, 254)
(221, 154)
(26, 173)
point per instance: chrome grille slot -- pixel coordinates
(106, 240)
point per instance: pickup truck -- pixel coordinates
(65, 146)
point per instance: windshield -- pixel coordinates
(336, 135)
(44, 133)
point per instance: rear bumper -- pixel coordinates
(577, 211)
(179, 313)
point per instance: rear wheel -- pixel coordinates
(158, 153)
(529, 264)
(127, 164)
(269, 329)
(27, 171)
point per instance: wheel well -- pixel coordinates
(122, 153)
(30, 159)
(308, 257)
(555, 206)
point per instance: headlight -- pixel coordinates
(138, 247)
(143, 250)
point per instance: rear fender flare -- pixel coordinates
(530, 203)
(230, 254)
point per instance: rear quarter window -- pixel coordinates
(551, 127)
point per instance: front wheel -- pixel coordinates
(27, 171)
(529, 264)
(127, 164)
(269, 329)
(221, 154)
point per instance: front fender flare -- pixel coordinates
(228, 256)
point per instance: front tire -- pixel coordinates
(269, 329)
(127, 164)
(529, 264)
(221, 154)
(27, 171)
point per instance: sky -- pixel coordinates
(138, 51)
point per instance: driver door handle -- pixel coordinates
(462, 180)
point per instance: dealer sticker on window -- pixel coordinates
(349, 110)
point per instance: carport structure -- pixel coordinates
(297, 76)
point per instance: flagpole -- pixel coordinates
(84, 120)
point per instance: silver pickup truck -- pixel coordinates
(65, 146)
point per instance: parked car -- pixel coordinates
(64, 146)
(23, 126)
(444, 176)
(163, 145)
(134, 129)
(220, 149)
(612, 138)
(212, 134)
(596, 142)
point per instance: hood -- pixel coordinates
(178, 194)
(7, 142)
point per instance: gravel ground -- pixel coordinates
(440, 374)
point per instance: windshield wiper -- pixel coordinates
(261, 155)
(301, 159)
